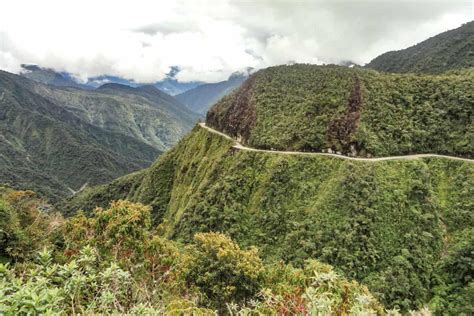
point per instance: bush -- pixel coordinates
(222, 271)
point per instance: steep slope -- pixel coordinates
(404, 228)
(144, 113)
(201, 98)
(49, 149)
(351, 110)
(401, 227)
(213, 276)
(450, 50)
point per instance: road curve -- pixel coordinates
(239, 146)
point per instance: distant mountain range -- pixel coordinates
(450, 50)
(174, 87)
(202, 97)
(196, 95)
(51, 77)
(56, 139)
(168, 85)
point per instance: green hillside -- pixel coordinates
(351, 110)
(56, 140)
(144, 113)
(404, 228)
(450, 50)
(49, 265)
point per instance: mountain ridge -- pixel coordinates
(354, 111)
(56, 139)
(453, 49)
(201, 98)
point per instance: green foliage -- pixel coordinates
(386, 224)
(454, 290)
(23, 228)
(314, 290)
(446, 51)
(222, 271)
(312, 108)
(113, 263)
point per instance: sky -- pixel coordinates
(210, 39)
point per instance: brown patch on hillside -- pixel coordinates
(237, 118)
(341, 130)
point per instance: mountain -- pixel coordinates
(174, 87)
(351, 110)
(144, 113)
(64, 79)
(56, 140)
(397, 226)
(50, 76)
(202, 97)
(95, 82)
(450, 50)
(168, 85)
(401, 227)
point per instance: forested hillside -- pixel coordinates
(49, 265)
(351, 110)
(404, 228)
(450, 50)
(145, 113)
(55, 140)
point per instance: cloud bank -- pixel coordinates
(208, 40)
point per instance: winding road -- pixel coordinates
(239, 146)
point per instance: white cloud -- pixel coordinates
(209, 40)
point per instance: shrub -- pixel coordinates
(222, 271)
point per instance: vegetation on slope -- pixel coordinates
(401, 227)
(450, 50)
(144, 113)
(114, 262)
(53, 139)
(351, 110)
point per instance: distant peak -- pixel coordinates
(238, 75)
(31, 67)
(149, 88)
(115, 86)
(241, 74)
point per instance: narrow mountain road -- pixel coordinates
(239, 146)
(80, 189)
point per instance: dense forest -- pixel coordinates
(351, 110)
(450, 50)
(403, 228)
(117, 262)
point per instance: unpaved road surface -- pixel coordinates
(239, 146)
